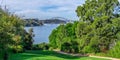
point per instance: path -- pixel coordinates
(85, 55)
(105, 57)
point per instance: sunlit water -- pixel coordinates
(42, 32)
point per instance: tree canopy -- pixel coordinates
(12, 34)
(96, 31)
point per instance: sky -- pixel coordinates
(43, 9)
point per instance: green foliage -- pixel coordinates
(17, 49)
(96, 32)
(115, 51)
(28, 41)
(71, 47)
(12, 33)
(41, 46)
(88, 49)
(62, 35)
(97, 28)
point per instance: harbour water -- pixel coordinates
(42, 32)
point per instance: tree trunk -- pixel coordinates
(5, 53)
(5, 56)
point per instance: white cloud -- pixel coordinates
(33, 8)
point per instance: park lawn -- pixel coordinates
(47, 55)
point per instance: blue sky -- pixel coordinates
(43, 9)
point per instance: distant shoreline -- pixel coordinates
(36, 22)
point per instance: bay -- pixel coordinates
(42, 32)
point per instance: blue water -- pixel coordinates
(42, 32)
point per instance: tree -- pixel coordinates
(97, 30)
(93, 9)
(97, 17)
(28, 41)
(57, 36)
(11, 29)
(62, 35)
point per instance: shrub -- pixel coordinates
(42, 46)
(71, 47)
(88, 49)
(17, 49)
(51, 48)
(115, 51)
(66, 47)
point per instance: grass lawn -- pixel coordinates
(47, 55)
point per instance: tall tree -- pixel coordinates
(28, 41)
(98, 15)
(10, 26)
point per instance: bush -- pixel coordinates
(88, 49)
(17, 49)
(35, 47)
(66, 47)
(115, 51)
(51, 48)
(42, 46)
(71, 47)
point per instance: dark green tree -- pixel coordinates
(28, 41)
(11, 32)
(96, 22)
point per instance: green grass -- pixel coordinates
(47, 55)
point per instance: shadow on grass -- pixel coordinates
(39, 53)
